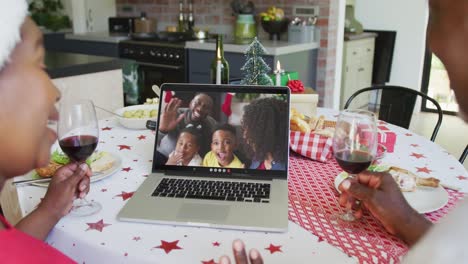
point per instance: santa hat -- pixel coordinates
(12, 15)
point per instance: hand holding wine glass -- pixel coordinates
(78, 137)
(355, 144)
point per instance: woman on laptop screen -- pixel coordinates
(266, 143)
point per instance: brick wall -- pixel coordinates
(218, 13)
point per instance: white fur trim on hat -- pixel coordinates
(12, 15)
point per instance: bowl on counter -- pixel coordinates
(275, 27)
(136, 116)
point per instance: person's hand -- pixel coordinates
(381, 195)
(69, 182)
(175, 158)
(169, 118)
(240, 256)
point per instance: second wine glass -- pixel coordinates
(78, 134)
(355, 144)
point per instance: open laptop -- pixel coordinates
(249, 194)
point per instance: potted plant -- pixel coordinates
(49, 14)
(245, 29)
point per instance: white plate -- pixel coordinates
(423, 200)
(115, 167)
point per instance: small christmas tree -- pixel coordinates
(255, 69)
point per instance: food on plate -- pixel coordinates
(408, 181)
(152, 101)
(102, 161)
(140, 113)
(49, 170)
(317, 125)
(98, 162)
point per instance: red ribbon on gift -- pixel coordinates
(296, 86)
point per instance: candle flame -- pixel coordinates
(278, 66)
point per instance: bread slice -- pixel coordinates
(102, 162)
(408, 181)
(49, 170)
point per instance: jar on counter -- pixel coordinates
(245, 29)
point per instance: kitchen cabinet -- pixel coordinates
(358, 57)
(58, 42)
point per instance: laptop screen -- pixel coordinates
(223, 129)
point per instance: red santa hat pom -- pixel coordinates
(226, 107)
(168, 96)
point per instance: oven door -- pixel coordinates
(156, 74)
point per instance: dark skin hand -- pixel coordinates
(380, 194)
(169, 118)
(240, 256)
(69, 182)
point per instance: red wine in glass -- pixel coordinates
(353, 162)
(79, 148)
(78, 133)
(354, 144)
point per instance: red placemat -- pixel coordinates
(313, 204)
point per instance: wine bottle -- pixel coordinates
(191, 21)
(219, 66)
(181, 20)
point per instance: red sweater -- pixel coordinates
(18, 247)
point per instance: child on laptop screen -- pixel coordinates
(187, 148)
(223, 144)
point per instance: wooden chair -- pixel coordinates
(393, 104)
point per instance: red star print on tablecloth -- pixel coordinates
(462, 178)
(408, 134)
(122, 147)
(127, 169)
(141, 137)
(272, 248)
(103, 190)
(424, 169)
(99, 225)
(414, 145)
(216, 244)
(211, 261)
(168, 246)
(137, 238)
(125, 195)
(417, 155)
(106, 128)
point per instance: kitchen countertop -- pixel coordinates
(63, 64)
(352, 36)
(272, 47)
(98, 37)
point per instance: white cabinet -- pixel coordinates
(358, 57)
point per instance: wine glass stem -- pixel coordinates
(349, 215)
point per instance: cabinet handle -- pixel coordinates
(360, 69)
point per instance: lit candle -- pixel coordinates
(278, 73)
(218, 72)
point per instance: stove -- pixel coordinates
(161, 58)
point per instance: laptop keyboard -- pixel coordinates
(214, 190)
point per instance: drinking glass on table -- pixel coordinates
(355, 144)
(78, 135)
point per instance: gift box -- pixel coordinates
(293, 75)
(386, 137)
(310, 145)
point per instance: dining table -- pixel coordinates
(314, 235)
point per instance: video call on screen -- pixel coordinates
(223, 130)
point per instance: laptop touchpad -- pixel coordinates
(203, 212)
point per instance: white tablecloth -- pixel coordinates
(101, 238)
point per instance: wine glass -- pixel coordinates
(78, 135)
(355, 144)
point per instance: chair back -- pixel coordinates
(393, 104)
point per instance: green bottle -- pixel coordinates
(219, 66)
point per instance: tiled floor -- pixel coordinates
(453, 134)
